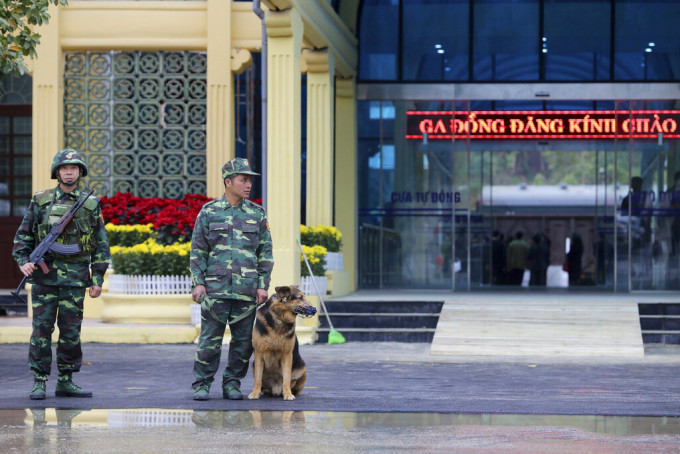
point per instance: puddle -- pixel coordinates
(163, 430)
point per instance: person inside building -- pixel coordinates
(231, 263)
(59, 294)
(517, 259)
(538, 261)
(637, 203)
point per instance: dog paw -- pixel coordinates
(290, 397)
(254, 396)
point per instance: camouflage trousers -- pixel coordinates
(65, 306)
(209, 348)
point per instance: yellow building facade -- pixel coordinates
(301, 38)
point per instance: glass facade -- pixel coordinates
(519, 40)
(569, 56)
(503, 191)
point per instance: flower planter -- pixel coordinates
(149, 285)
(148, 309)
(147, 299)
(308, 288)
(334, 261)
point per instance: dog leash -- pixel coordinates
(207, 304)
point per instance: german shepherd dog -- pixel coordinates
(278, 368)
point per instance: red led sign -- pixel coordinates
(536, 124)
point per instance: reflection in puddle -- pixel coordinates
(158, 430)
(613, 425)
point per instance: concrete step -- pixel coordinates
(383, 306)
(379, 334)
(660, 322)
(381, 321)
(378, 320)
(539, 328)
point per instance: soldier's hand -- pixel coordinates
(261, 296)
(197, 292)
(95, 291)
(27, 269)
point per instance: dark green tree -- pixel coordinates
(18, 20)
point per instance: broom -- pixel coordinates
(334, 337)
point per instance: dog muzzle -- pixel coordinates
(304, 311)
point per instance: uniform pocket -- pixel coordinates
(83, 225)
(249, 236)
(218, 232)
(217, 278)
(245, 283)
(43, 230)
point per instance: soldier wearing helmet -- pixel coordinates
(231, 263)
(64, 157)
(59, 294)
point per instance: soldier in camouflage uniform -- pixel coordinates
(231, 264)
(59, 294)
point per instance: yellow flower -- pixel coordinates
(148, 228)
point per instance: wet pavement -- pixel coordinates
(117, 431)
(359, 397)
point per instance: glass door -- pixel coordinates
(648, 216)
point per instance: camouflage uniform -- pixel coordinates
(231, 255)
(59, 295)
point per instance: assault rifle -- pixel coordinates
(49, 244)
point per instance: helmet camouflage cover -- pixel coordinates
(68, 156)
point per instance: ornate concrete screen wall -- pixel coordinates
(139, 117)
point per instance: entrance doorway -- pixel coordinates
(444, 188)
(547, 208)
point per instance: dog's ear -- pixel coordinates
(283, 292)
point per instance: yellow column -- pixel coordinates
(284, 33)
(320, 117)
(220, 121)
(48, 95)
(345, 174)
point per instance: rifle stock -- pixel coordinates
(16, 292)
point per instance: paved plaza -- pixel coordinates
(360, 397)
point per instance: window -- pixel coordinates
(15, 159)
(576, 40)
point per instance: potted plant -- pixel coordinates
(327, 236)
(316, 256)
(150, 246)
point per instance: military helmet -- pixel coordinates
(68, 156)
(236, 166)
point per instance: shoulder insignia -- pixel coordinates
(44, 197)
(251, 221)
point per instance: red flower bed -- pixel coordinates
(172, 219)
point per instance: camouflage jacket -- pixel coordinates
(231, 250)
(86, 229)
